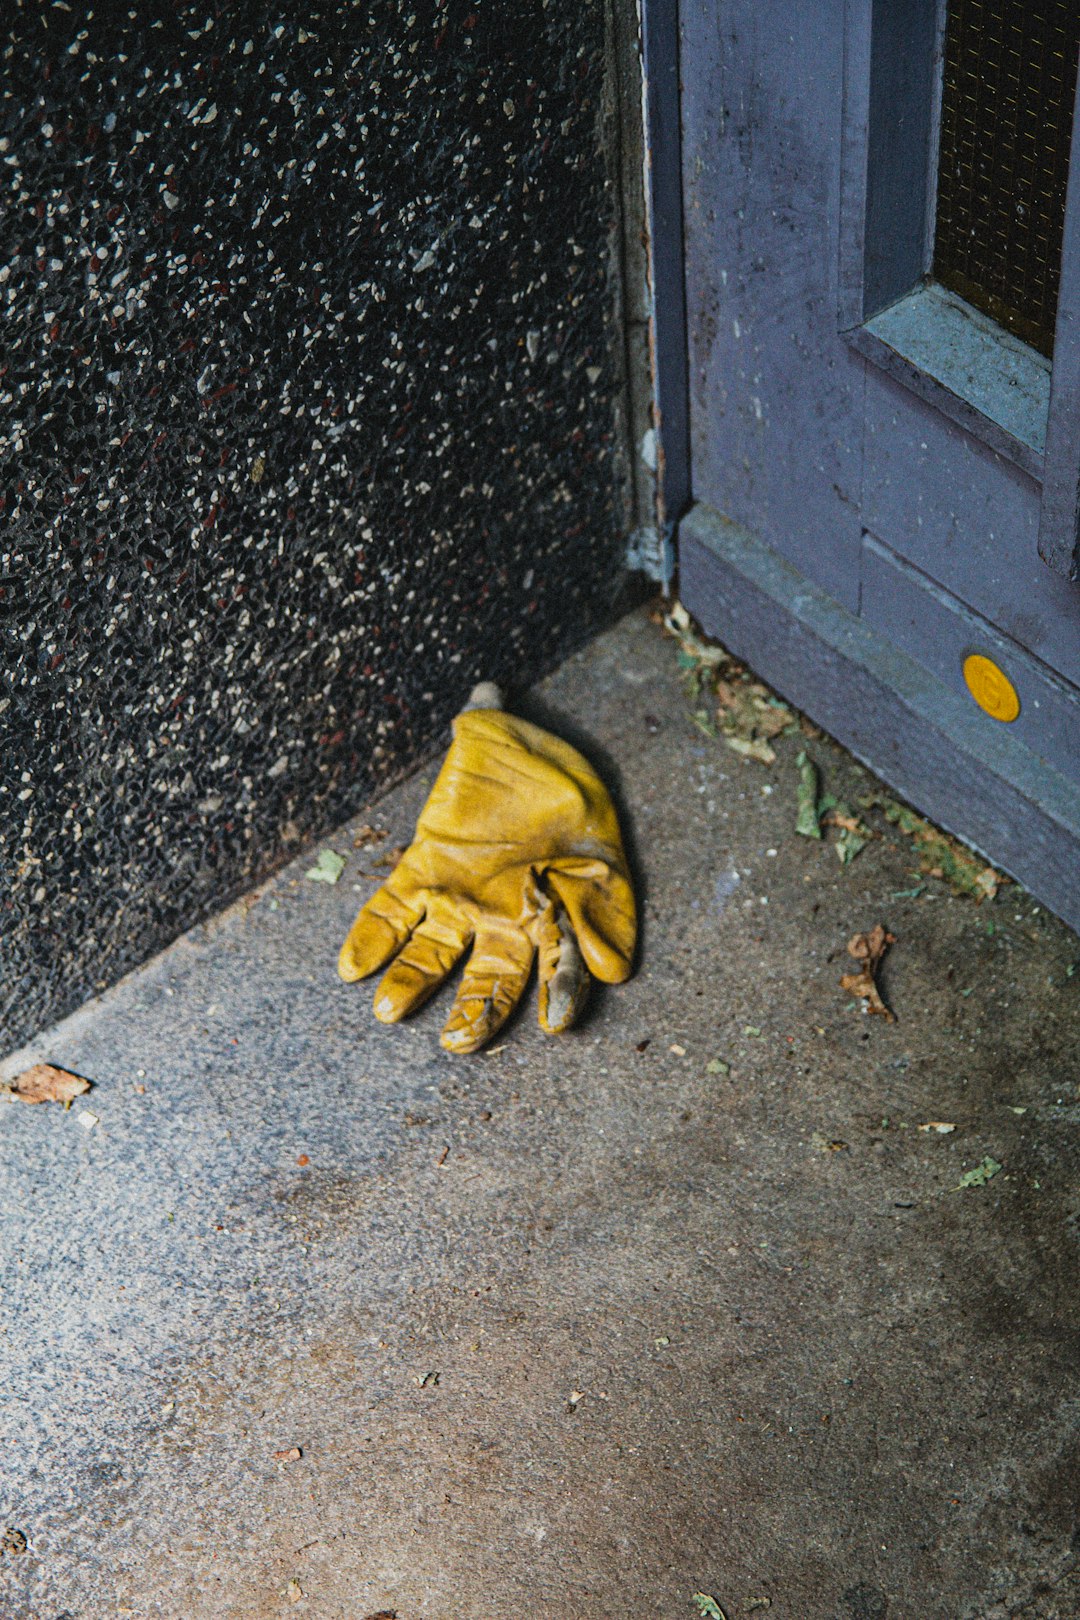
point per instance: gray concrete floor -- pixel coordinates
(679, 1347)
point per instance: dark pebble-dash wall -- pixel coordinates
(307, 381)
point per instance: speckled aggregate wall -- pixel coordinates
(306, 399)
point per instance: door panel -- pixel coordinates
(881, 511)
(937, 630)
(966, 517)
(796, 435)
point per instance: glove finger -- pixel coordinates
(384, 924)
(491, 988)
(564, 978)
(417, 972)
(603, 917)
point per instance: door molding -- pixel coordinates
(666, 266)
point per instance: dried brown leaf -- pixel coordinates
(752, 748)
(367, 835)
(826, 1144)
(868, 950)
(44, 1083)
(389, 860)
(694, 650)
(770, 719)
(293, 1454)
(850, 823)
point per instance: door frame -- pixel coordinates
(895, 715)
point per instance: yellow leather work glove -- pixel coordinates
(517, 852)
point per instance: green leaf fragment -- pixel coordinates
(853, 836)
(708, 1606)
(328, 867)
(848, 845)
(940, 855)
(717, 1066)
(981, 1174)
(808, 821)
(751, 1029)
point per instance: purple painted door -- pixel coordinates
(885, 436)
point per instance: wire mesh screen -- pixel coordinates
(1006, 123)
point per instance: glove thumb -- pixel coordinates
(599, 902)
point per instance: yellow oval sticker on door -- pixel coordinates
(991, 687)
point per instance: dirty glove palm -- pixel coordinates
(518, 853)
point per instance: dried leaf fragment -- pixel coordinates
(941, 1126)
(808, 821)
(328, 867)
(847, 846)
(854, 834)
(367, 835)
(827, 1144)
(387, 861)
(868, 950)
(752, 748)
(940, 855)
(293, 1454)
(44, 1083)
(692, 647)
(12, 1541)
(981, 1174)
(708, 1606)
(294, 1591)
(747, 713)
(840, 816)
